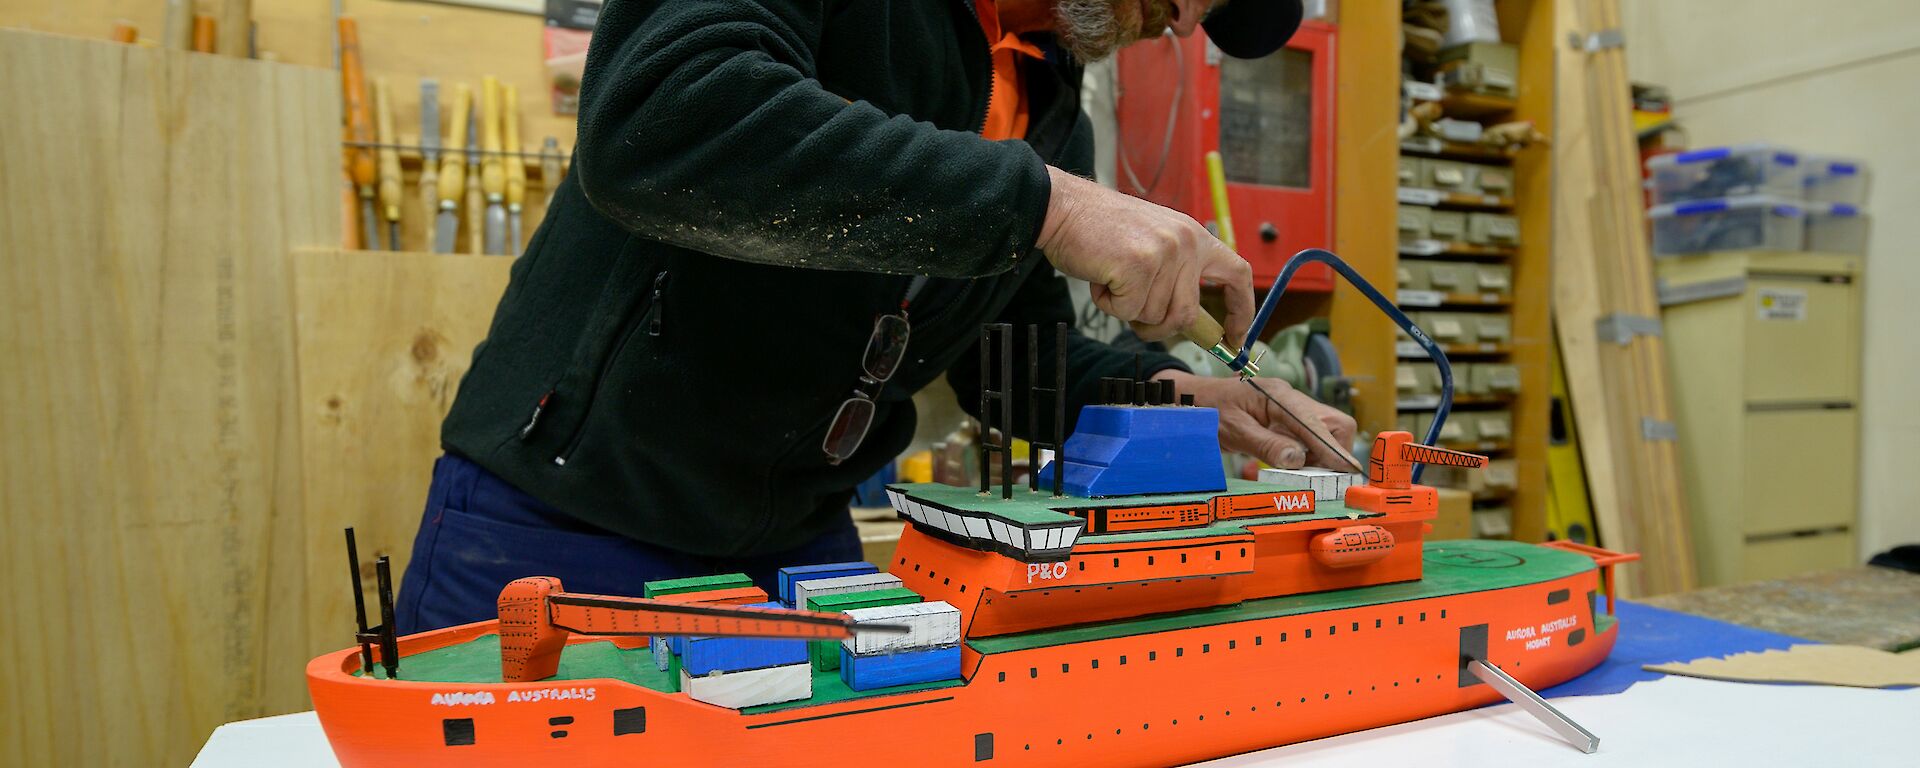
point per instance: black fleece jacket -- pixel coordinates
(754, 182)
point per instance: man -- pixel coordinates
(695, 360)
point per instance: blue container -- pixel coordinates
(865, 673)
(733, 654)
(797, 573)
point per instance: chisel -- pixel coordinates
(493, 174)
(516, 165)
(389, 156)
(429, 151)
(550, 166)
(360, 160)
(476, 209)
(453, 170)
(1207, 333)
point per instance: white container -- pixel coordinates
(1836, 228)
(1751, 223)
(750, 688)
(929, 625)
(1744, 169)
(1326, 484)
(812, 588)
(1836, 180)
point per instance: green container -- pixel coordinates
(826, 653)
(694, 584)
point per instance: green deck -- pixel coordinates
(478, 661)
(1452, 568)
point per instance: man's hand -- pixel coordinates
(1144, 262)
(1251, 425)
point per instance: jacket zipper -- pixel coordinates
(651, 322)
(986, 105)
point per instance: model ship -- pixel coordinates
(1131, 606)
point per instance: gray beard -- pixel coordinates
(1087, 28)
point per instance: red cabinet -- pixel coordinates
(1271, 120)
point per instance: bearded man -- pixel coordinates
(784, 218)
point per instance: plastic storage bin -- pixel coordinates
(1753, 223)
(1836, 228)
(1836, 180)
(1746, 169)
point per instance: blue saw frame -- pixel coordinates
(1420, 337)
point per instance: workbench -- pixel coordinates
(1642, 718)
(1864, 605)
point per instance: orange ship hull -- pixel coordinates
(1167, 697)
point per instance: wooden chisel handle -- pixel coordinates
(1204, 331)
(515, 165)
(493, 178)
(453, 154)
(204, 33)
(388, 153)
(353, 83)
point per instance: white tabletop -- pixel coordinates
(1677, 721)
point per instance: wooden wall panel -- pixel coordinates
(383, 341)
(403, 40)
(151, 479)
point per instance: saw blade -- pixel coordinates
(1318, 431)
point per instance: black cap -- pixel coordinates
(1250, 29)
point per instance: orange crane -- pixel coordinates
(536, 618)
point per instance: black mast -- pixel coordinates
(359, 605)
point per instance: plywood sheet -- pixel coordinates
(1850, 665)
(149, 488)
(383, 341)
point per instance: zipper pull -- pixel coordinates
(653, 308)
(538, 408)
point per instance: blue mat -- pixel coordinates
(1650, 635)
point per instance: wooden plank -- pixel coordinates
(150, 479)
(1366, 181)
(383, 339)
(1603, 268)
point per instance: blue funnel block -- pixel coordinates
(1120, 450)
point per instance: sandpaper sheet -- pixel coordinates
(1850, 665)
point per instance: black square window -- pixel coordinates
(630, 720)
(982, 747)
(457, 731)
